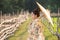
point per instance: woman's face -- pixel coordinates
(33, 16)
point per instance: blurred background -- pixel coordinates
(15, 15)
(9, 6)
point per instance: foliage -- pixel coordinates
(8, 6)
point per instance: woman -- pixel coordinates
(35, 29)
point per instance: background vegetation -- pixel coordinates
(8, 6)
(22, 33)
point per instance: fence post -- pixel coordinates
(58, 35)
(1, 16)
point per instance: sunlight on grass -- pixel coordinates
(22, 34)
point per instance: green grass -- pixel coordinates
(47, 33)
(22, 34)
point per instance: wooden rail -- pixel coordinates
(55, 14)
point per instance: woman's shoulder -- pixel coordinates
(39, 22)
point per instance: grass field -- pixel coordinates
(22, 34)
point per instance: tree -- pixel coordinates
(8, 6)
